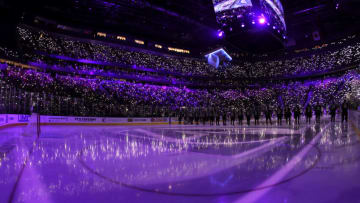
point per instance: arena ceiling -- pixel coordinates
(185, 23)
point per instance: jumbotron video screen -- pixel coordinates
(223, 5)
(274, 8)
(238, 11)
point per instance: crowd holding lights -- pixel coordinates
(74, 88)
(340, 54)
(26, 90)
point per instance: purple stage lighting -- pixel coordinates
(262, 20)
(220, 34)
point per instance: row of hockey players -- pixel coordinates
(215, 115)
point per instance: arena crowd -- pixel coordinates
(69, 76)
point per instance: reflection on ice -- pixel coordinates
(221, 161)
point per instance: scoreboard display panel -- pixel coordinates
(224, 5)
(239, 16)
(274, 7)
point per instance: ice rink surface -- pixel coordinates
(72, 164)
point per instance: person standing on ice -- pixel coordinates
(288, 115)
(211, 116)
(203, 115)
(332, 110)
(224, 116)
(257, 114)
(240, 114)
(344, 112)
(233, 116)
(192, 116)
(197, 115)
(308, 113)
(297, 114)
(318, 112)
(248, 115)
(268, 114)
(180, 115)
(217, 115)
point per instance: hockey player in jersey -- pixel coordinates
(268, 115)
(240, 114)
(308, 113)
(318, 112)
(287, 115)
(297, 114)
(332, 110)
